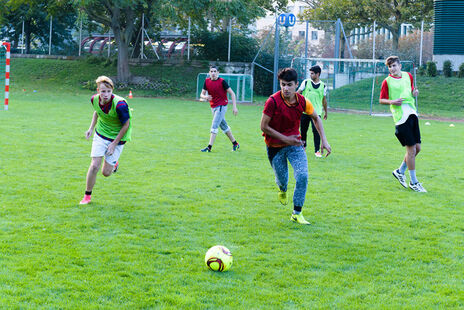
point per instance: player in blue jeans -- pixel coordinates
(280, 125)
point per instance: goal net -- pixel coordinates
(5, 71)
(353, 84)
(241, 84)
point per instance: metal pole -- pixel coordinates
(337, 50)
(373, 41)
(141, 42)
(306, 49)
(421, 42)
(109, 43)
(22, 40)
(50, 39)
(80, 38)
(188, 41)
(230, 38)
(276, 56)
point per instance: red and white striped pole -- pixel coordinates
(7, 73)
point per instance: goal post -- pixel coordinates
(241, 84)
(352, 84)
(5, 69)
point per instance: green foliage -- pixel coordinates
(432, 69)
(447, 68)
(461, 71)
(215, 46)
(140, 244)
(422, 70)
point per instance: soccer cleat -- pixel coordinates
(417, 187)
(235, 147)
(206, 149)
(318, 154)
(116, 166)
(299, 218)
(283, 197)
(401, 178)
(85, 200)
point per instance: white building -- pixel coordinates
(297, 32)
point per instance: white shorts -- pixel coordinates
(100, 146)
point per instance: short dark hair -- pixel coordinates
(213, 67)
(316, 69)
(391, 60)
(288, 75)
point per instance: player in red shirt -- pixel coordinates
(215, 90)
(280, 124)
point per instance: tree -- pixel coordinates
(36, 16)
(388, 14)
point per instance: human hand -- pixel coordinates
(294, 140)
(325, 116)
(398, 101)
(325, 145)
(235, 111)
(110, 149)
(88, 133)
(415, 92)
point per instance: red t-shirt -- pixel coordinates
(384, 89)
(285, 118)
(218, 90)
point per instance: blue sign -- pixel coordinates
(287, 19)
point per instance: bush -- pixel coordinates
(431, 68)
(214, 46)
(447, 68)
(461, 71)
(422, 70)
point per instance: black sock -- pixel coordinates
(297, 209)
(235, 142)
(88, 193)
(209, 146)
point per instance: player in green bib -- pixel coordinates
(398, 91)
(112, 123)
(315, 91)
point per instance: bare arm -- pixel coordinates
(234, 100)
(320, 129)
(268, 130)
(88, 133)
(205, 96)
(324, 105)
(391, 102)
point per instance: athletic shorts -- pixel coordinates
(100, 146)
(408, 133)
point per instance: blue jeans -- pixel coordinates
(297, 158)
(219, 120)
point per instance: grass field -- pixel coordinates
(141, 243)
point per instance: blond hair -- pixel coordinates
(391, 60)
(104, 80)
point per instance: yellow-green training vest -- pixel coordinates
(315, 95)
(400, 88)
(109, 125)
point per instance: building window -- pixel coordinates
(301, 10)
(313, 35)
(301, 34)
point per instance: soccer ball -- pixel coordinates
(218, 258)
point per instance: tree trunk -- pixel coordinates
(396, 37)
(124, 74)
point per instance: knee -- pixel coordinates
(106, 173)
(94, 168)
(418, 149)
(301, 178)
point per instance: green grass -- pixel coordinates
(438, 97)
(141, 243)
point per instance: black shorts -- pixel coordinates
(408, 133)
